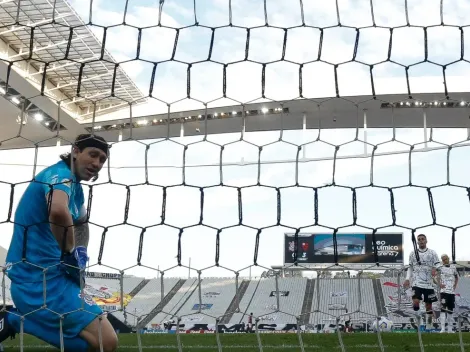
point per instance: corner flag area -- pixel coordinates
(391, 342)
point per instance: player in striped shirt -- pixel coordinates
(448, 280)
(421, 276)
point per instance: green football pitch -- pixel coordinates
(393, 342)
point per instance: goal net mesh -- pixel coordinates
(261, 139)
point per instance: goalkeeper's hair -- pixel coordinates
(67, 157)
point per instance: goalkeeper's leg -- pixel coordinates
(32, 325)
(79, 317)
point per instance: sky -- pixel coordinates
(237, 243)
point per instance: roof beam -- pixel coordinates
(58, 67)
(76, 100)
(35, 24)
(104, 109)
(83, 80)
(50, 46)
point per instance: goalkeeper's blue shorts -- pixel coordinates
(62, 296)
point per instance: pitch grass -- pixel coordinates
(393, 342)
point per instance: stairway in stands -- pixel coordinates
(133, 293)
(162, 303)
(249, 303)
(139, 287)
(379, 297)
(308, 301)
(233, 305)
(188, 296)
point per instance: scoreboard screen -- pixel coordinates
(357, 248)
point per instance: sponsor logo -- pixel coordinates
(204, 306)
(87, 299)
(106, 298)
(191, 319)
(383, 249)
(268, 318)
(336, 306)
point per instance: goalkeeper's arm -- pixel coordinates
(61, 220)
(78, 257)
(81, 229)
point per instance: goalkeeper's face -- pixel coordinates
(89, 162)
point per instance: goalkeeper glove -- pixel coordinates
(75, 262)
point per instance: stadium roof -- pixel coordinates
(43, 118)
(351, 112)
(48, 43)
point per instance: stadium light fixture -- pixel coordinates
(155, 121)
(38, 116)
(426, 104)
(15, 100)
(21, 120)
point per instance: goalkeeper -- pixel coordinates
(50, 221)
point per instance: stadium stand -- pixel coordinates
(343, 296)
(390, 294)
(235, 301)
(129, 283)
(263, 302)
(216, 296)
(144, 301)
(176, 302)
(328, 298)
(160, 306)
(8, 299)
(379, 297)
(245, 302)
(308, 301)
(463, 294)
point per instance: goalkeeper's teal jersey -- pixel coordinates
(32, 225)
